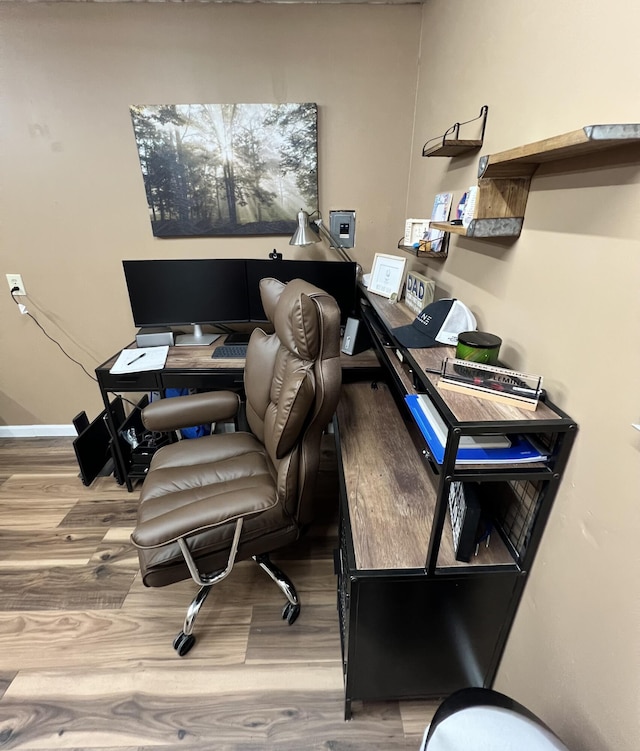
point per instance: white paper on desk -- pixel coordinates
(141, 359)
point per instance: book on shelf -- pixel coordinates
(440, 213)
(467, 206)
(490, 448)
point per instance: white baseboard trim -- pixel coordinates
(36, 431)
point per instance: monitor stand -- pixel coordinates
(197, 339)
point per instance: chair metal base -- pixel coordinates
(185, 640)
(291, 610)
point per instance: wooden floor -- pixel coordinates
(86, 660)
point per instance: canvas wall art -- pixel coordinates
(227, 169)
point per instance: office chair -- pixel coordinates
(209, 501)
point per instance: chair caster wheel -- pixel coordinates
(183, 643)
(290, 613)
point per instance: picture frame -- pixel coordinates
(414, 231)
(387, 275)
(227, 169)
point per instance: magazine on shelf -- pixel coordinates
(478, 449)
(440, 213)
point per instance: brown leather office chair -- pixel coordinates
(207, 502)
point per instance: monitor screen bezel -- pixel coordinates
(312, 271)
(188, 273)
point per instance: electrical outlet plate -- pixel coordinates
(342, 225)
(15, 280)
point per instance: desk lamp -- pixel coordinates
(309, 233)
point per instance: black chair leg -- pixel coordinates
(292, 609)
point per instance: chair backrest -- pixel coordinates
(292, 383)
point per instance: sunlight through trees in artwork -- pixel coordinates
(227, 169)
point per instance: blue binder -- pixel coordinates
(521, 450)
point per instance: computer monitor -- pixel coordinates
(337, 278)
(187, 292)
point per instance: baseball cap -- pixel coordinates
(439, 323)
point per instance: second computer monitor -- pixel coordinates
(187, 291)
(337, 278)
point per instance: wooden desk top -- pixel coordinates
(465, 407)
(391, 494)
(199, 358)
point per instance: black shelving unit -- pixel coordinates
(417, 622)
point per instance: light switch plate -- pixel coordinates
(342, 225)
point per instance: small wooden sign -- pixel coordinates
(419, 291)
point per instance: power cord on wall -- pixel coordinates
(25, 312)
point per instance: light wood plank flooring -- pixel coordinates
(86, 660)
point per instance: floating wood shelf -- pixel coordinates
(455, 229)
(501, 227)
(504, 179)
(440, 254)
(452, 147)
(523, 161)
(449, 144)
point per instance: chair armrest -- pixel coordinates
(199, 516)
(186, 411)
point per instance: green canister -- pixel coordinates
(478, 346)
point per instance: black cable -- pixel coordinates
(66, 354)
(128, 401)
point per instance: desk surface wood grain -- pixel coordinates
(465, 407)
(391, 497)
(199, 358)
(391, 493)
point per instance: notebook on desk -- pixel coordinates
(140, 360)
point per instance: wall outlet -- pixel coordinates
(15, 280)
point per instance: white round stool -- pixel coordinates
(485, 720)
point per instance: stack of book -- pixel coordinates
(476, 449)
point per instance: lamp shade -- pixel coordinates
(304, 235)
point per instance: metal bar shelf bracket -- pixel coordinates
(450, 143)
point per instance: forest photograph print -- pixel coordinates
(227, 169)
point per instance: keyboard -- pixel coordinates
(230, 351)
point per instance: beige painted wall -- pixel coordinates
(564, 295)
(564, 298)
(72, 204)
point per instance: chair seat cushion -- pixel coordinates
(231, 477)
(212, 448)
